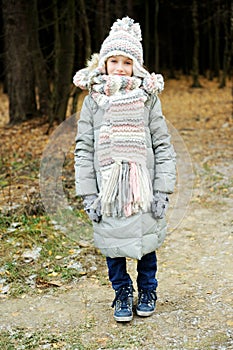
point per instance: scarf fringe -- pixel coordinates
(125, 190)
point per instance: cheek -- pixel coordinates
(130, 70)
(109, 68)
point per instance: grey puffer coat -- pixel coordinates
(138, 234)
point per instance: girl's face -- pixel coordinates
(119, 65)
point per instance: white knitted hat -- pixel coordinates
(124, 39)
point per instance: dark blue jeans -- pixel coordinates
(146, 268)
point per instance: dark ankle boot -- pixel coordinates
(123, 303)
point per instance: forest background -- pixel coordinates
(43, 43)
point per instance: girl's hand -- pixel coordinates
(159, 205)
(93, 213)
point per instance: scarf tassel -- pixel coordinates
(126, 189)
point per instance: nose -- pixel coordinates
(120, 67)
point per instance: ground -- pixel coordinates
(195, 293)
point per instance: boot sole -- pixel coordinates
(144, 313)
(123, 319)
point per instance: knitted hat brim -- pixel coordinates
(138, 70)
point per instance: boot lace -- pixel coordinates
(147, 296)
(122, 297)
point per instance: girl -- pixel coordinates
(124, 164)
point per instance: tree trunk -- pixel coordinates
(147, 34)
(156, 36)
(185, 47)
(130, 10)
(64, 17)
(18, 58)
(99, 24)
(39, 63)
(86, 30)
(210, 38)
(107, 17)
(227, 51)
(169, 46)
(118, 9)
(216, 34)
(195, 72)
(86, 38)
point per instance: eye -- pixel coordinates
(113, 60)
(129, 63)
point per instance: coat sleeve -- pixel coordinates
(164, 154)
(85, 175)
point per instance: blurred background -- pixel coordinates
(43, 43)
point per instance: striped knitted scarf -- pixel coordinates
(126, 186)
(125, 182)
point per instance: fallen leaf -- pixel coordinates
(55, 283)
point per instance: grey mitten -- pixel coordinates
(159, 205)
(94, 212)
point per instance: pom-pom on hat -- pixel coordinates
(124, 39)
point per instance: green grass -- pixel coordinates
(27, 229)
(34, 253)
(26, 339)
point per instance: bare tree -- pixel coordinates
(210, 39)
(195, 70)
(216, 39)
(227, 25)
(99, 32)
(20, 75)
(39, 63)
(147, 33)
(130, 10)
(84, 36)
(156, 36)
(85, 29)
(64, 19)
(169, 46)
